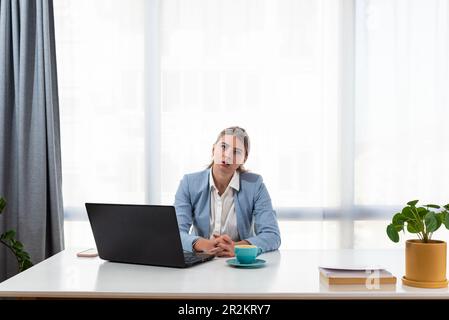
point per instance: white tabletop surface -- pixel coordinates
(290, 274)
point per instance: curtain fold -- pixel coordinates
(30, 151)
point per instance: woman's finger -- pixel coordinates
(214, 250)
(227, 238)
(226, 248)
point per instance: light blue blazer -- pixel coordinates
(256, 219)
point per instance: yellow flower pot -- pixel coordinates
(425, 264)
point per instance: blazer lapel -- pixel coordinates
(239, 215)
(204, 218)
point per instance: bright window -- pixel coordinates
(345, 103)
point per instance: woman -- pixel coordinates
(226, 204)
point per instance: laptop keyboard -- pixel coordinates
(190, 257)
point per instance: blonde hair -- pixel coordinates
(242, 135)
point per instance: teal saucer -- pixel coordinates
(256, 264)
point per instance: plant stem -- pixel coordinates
(420, 223)
(12, 250)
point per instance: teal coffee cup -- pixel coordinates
(246, 253)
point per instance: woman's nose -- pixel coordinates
(228, 155)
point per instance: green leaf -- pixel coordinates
(441, 216)
(9, 235)
(26, 255)
(440, 219)
(25, 265)
(446, 206)
(23, 258)
(446, 221)
(439, 223)
(2, 204)
(17, 245)
(412, 203)
(399, 219)
(408, 213)
(392, 233)
(412, 227)
(435, 206)
(422, 212)
(431, 222)
(20, 254)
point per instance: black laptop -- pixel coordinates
(140, 234)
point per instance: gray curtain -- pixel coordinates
(30, 152)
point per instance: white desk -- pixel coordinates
(291, 274)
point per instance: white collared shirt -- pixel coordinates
(223, 219)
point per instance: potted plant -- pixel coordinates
(16, 247)
(425, 259)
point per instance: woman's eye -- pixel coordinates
(223, 146)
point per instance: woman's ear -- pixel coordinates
(213, 150)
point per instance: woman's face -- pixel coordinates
(228, 153)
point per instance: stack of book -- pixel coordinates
(356, 275)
